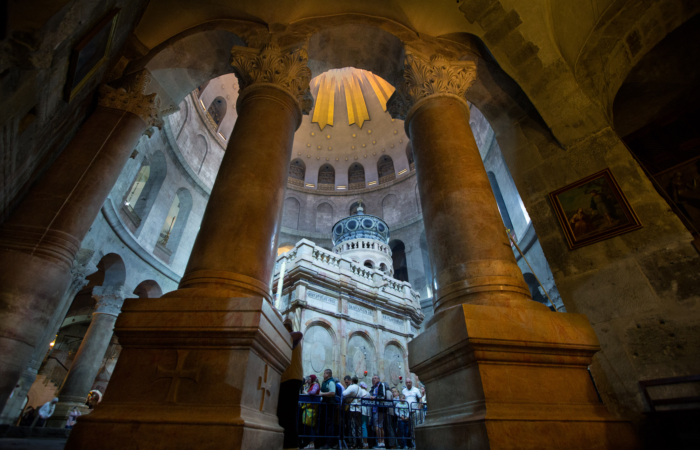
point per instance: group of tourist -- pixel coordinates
(341, 415)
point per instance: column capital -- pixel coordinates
(286, 69)
(79, 274)
(424, 77)
(109, 299)
(132, 98)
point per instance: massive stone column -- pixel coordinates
(200, 367)
(503, 371)
(40, 240)
(13, 406)
(88, 359)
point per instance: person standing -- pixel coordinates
(378, 393)
(310, 411)
(403, 414)
(351, 397)
(329, 392)
(389, 434)
(290, 384)
(366, 414)
(73, 418)
(413, 398)
(46, 411)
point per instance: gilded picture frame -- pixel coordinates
(90, 54)
(593, 209)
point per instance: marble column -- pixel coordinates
(13, 406)
(200, 367)
(88, 359)
(502, 371)
(41, 238)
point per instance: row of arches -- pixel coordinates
(356, 174)
(321, 344)
(140, 200)
(324, 213)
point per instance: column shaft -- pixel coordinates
(40, 240)
(469, 249)
(243, 213)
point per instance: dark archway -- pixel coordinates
(326, 178)
(385, 169)
(148, 289)
(217, 110)
(356, 176)
(398, 257)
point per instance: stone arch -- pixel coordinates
(297, 172)
(217, 110)
(290, 213)
(113, 270)
(356, 176)
(352, 206)
(398, 257)
(201, 150)
(391, 213)
(369, 263)
(148, 289)
(139, 200)
(319, 348)
(371, 48)
(361, 355)
(326, 178)
(394, 363)
(174, 225)
(324, 217)
(385, 169)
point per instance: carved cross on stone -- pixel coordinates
(177, 374)
(265, 385)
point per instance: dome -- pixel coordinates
(360, 226)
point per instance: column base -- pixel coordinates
(193, 373)
(509, 378)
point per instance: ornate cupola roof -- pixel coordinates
(360, 226)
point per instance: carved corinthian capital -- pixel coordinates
(109, 299)
(132, 98)
(425, 77)
(285, 69)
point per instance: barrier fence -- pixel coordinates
(352, 425)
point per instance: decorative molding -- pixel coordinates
(133, 99)
(270, 64)
(425, 77)
(109, 299)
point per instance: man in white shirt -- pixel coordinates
(46, 411)
(413, 398)
(352, 395)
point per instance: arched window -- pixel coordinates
(148, 289)
(217, 111)
(141, 197)
(385, 169)
(398, 257)
(297, 172)
(501, 204)
(326, 178)
(369, 264)
(174, 225)
(290, 213)
(409, 156)
(355, 205)
(356, 176)
(324, 218)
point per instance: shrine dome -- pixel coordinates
(360, 226)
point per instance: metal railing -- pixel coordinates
(353, 425)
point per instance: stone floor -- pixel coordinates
(33, 444)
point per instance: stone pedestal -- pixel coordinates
(200, 367)
(510, 378)
(193, 373)
(39, 242)
(503, 372)
(88, 359)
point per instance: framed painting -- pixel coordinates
(90, 54)
(593, 209)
